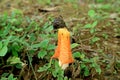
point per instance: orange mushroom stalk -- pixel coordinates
(63, 51)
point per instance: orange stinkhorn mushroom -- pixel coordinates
(63, 51)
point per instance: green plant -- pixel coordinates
(87, 64)
(91, 13)
(54, 69)
(12, 45)
(94, 39)
(27, 43)
(91, 27)
(10, 77)
(105, 36)
(3, 49)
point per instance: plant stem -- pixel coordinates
(31, 66)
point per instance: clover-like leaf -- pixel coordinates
(42, 53)
(3, 51)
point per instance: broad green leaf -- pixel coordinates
(42, 53)
(82, 66)
(16, 46)
(3, 51)
(14, 53)
(5, 74)
(15, 49)
(54, 73)
(5, 16)
(97, 67)
(14, 60)
(74, 45)
(66, 78)
(7, 40)
(44, 68)
(19, 66)
(16, 12)
(88, 26)
(18, 29)
(1, 44)
(105, 35)
(49, 29)
(45, 25)
(86, 60)
(76, 55)
(94, 24)
(36, 45)
(86, 72)
(91, 13)
(32, 37)
(13, 21)
(3, 78)
(44, 36)
(106, 6)
(82, 56)
(51, 47)
(92, 30)
(98, 70)
(93, 65)
(60, 78)
(44, 43)
(6, 31)
(11, 77)
(95, 39)
(41, 69)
